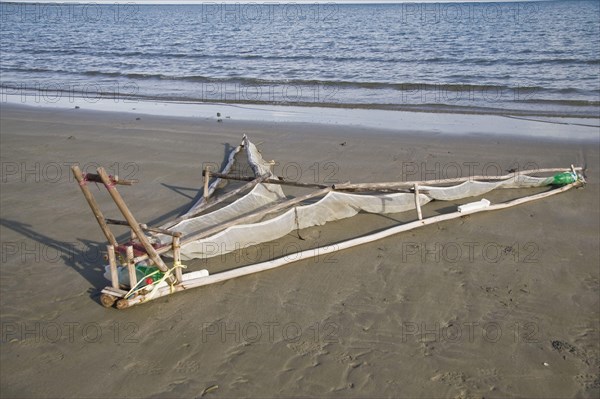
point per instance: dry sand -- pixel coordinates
(502, 304)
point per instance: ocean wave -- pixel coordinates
(526, 92)
(409, 59)
(570, 103)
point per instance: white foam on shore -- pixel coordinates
(586, 129)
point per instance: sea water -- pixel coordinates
(532, 58)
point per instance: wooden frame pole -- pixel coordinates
(216, 182)
(144, 227)
(89, 197)
(388, 186)
(206, 193)
(398, 185)
(112, 261)
(270, 180)
(280, 181)
(131, 267)
(135, 226)
(417, 202)
(177, 259)
(203, 207)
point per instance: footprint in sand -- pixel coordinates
(589, 382)
(304, 348)
(591, 283)
(589, 358)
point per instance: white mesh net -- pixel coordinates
(477, 188)
(333, 206)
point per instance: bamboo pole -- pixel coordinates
(290, 258)
(417, 202)
(216, 182)
(276, 180)
(337, 187)
(93, 205)
(112, 261)
(177, 259)
(246, 187)
(145, 227)
(245, 219)
(131, 267)
(377, 186)
(206, 175)
(135, 226)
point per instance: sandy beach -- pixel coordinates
(502, 304)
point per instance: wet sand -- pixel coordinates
(502, 304)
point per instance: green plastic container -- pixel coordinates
(562, 179)
(142, 272)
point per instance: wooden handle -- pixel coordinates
(89, 197)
